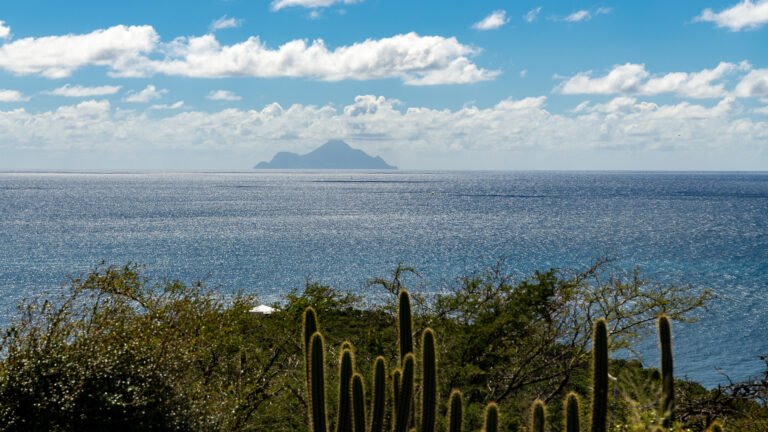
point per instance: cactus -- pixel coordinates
(309, 328)
(667, 405)
(396, 377)
(491, 422)
(316, 370)
(379, 394)
(405, 324)
(358, 403)
(428, 382)
(600, 377)
(571, 410)
(538, 416)
(716, 426)
(455, 418)
(343, 417)
(403, 412)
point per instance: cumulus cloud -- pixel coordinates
(532, 14)
(223, 95)
(225, 23)
(493, 21)
(635, 79)
(415, 59)
(5, 30)
(380, 122)
(12, 96)
(754, 84)
(149, 93)
(309, 4)
(173, 106)
(580, 15)
(136, 52)
(118, 48)
(78, 91)
(745, 15)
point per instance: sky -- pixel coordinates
(221, 85)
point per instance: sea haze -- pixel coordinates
(267, 232)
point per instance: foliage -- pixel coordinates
(117, 351)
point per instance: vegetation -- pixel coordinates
(117, 351)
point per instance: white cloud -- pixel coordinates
(309, 4)
(578, 16)
(117, 48)
(754, 84)
(379, 122)
(624, 78)
(493, 21)
(149, 93)
(223, 95)
(12, 96)
(5, 30)
(77, 91)
(136, 52)
(523, 73)
(225, 23)
(635, 79)
(173, 106)
(415, 59)
(532, 14)
(745, 15)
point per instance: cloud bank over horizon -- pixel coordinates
(472, 86)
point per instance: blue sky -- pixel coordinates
(223, 84)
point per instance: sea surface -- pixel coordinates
(267, 232)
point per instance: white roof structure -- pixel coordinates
(263, 309)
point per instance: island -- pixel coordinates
(334, 154)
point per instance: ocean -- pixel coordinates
(268, 232)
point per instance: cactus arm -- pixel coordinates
(406, 394)
(317, 383)
(600, 377)
(379, 394)
(667, 407)
(429, 381)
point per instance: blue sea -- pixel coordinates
(266, 233)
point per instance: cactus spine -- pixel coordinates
(403, 412)
(455, 412)
(572, 412)
(379, 394)
(317, 383)
(428, 382)
(538, 416)
(600, 376)
(491, 423)
(667, 407)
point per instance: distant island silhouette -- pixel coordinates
(334, 154)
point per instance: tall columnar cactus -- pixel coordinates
(428, 381)
(316, 370)
(379, 394)
(405, 324)
(455, 415)
(358, 403)
(309, 327)
(403, 413)
(346, 369)
(571, 410)
(600, 377)
(538, 416)
(667, 406)
(491, 422)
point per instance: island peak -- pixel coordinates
(334, 154)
